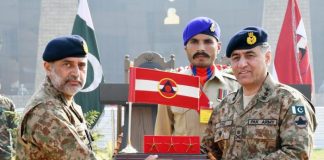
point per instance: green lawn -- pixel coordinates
(318, 154)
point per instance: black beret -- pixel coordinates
(65, 46)
(201, 25)
(247, 38)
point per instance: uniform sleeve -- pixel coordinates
(12, 106)
(208, 146)
(7, 125)
(12, 116)
(8, 111)
(296, 132)
(7, 103)
(51, 130)
(164, 121)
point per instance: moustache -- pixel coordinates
(200, 54)
(73, 78)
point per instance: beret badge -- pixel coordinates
(251, 39)
(85, 47)
(212, 27)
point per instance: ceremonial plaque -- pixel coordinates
(171, 144)
(168, 148)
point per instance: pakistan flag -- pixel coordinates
(88, 98)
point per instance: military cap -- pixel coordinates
(65, 46)
(201, 25)
(247, 38)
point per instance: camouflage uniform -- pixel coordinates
(53, 129)
(269, 127)
(6, 123)
(183, 121)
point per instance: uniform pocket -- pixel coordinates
(179, 110)
(222, 133)
(261, 132)
(261, 138)
(186, 121)
(222, 136)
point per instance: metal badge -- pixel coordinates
(238, 133)
(212, 27)
(85, 47)
(251, 39)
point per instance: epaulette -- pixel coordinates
(227, 75)
(297, 94)
(290, 90)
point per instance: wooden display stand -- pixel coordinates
(161, 156)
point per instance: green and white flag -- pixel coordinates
(88, 98)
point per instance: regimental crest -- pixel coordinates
(251, 39)
(167, 88)
(212, 27)
(301, 121)
(85, 47)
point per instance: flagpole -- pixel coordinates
(129, 148)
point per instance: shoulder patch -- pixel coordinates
(301, 121)
(298, 110)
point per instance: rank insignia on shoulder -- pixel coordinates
(298, 110)
(301, 121)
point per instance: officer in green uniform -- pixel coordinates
(52, 125)
(7, 123)
(264, 119)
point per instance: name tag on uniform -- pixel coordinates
(223, 124)
(205, 115)
(262, 122)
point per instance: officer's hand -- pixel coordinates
(211, 156)
(152, 157)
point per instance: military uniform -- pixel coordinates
(6, 123)
(51, 128)
(278, 123)
(174, 120)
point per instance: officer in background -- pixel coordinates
(7, 123)
(264, 119)
(52, 125)
(201, 39)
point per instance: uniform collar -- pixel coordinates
(51, 90)
(218, 74)
(265, 93)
